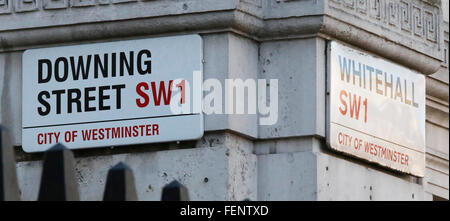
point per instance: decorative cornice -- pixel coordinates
(405, 31)
(413, 23)
(437, 89)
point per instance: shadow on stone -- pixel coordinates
(9, 190)
(58, 181)
(120, 184)
(175, 191)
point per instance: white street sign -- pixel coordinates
(110, 94)
(376, 110)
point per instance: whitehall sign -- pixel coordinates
(376, 110)
(111, 94)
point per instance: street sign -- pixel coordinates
(111, 94)
(376, 110)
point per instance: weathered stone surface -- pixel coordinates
(120, 184)
(415, 36)
(281, 39)
(317, 176)
(175, 191)
(58, 176)
(9, 189)
(222, 167)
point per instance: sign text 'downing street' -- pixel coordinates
(109, 94)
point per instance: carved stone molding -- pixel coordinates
(17, 6)
(407, 31)
(408, 17)
(413, 23)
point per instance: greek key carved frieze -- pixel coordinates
(5, 7)
(412, 18)
(18, 6)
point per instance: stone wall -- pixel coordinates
(283, 39)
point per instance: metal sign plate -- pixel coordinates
(114, 93)
(376, 110)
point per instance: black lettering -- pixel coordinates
(58, 94)
(88, 98)
(113, 64)
(80, 66)
(118, 94)
(41, 78)
(65, 67)
(71, 99)
(44, 103)
(147, 63)
(125, 62)
(103, 97)
(103, 66)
